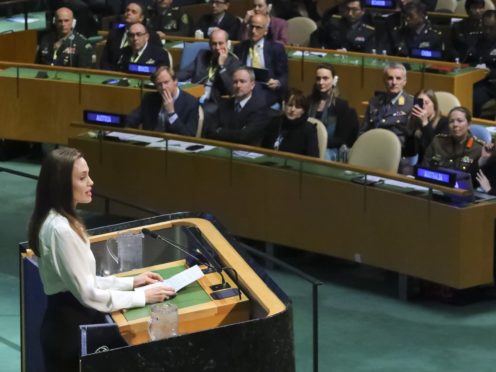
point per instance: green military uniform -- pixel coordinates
(74, 51)
(170, 21)
(447, 152)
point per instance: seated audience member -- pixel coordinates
(118, 39)
(167, 110)
(292, 132)
(64, 46)
(241, 119)
(219, 18)
(260, 53)
(278, 27)
(466, 33)
(348, 30)
(426, 121)
(486, 176)
(340, 119)
(140, 51)
(166, 19)
(484, 56)
(213, 68)
(391, 110)
(458, 149)
(416, 33)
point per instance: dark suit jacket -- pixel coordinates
(229, 23)
(152, 55)
(197, 71)
(186, 107)
(246, 127)
(112, 51)
(276, 61)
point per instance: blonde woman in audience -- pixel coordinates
(426, 120)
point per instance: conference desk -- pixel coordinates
(40, 109)
(304, 203)
(361, 75)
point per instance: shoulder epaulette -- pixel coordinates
(479, 141)
(336, 16)
(369, 27)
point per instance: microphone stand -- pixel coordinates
(210, 267)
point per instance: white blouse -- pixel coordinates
(67, 264)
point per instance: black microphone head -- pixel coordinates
(149, 233)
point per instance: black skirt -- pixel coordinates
(60, 335)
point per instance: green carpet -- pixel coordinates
(362, 325)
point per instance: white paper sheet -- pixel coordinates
(178, 281)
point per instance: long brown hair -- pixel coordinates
(54, 191)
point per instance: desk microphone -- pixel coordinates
(210, 267)
(154, 235)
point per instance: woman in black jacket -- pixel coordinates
(339, 118)
(292, 132)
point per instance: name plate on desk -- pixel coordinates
(103, 118)
(141, 69)
(384, 4)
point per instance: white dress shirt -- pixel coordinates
(67, 264)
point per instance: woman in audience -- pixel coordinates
(278, 27)
(339, 118)
(75, 295)
(458, 149)
(426, 121)
(292, 132)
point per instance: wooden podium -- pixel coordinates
(241, 333)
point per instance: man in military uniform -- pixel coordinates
(391, 110)
(166, 19)
(64, 46)
(484, 56)
(213, 67)
(349, 30)
(141, 51)
(458, 149)
(466, 33)
(416, 33)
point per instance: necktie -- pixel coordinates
(237, 107)
(255, 58)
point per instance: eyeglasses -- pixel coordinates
(137, 34)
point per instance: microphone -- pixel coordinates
(154, 235)
(210, 266)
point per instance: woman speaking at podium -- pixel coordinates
(67, 266)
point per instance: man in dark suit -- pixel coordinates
(219, 18)
(167, 110)
(241, 119)
(260, 53)
(140, 51)
(213, 68)
(118, 39)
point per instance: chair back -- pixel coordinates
(378, 149)
(201, 118)
(481, 133)
(446, 101)
(190, 50)
(321, 135)
(446, 6)
(299, 30)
